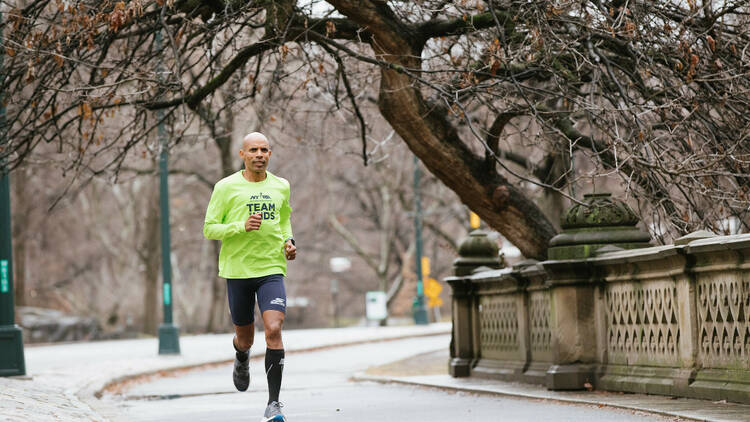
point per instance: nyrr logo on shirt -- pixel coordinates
(260, 195)
(278, 301)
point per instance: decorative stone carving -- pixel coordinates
(476, 250)
(498, 325)
(724, 322)
(600, 210)
(600, 221)
(643, 326)
(539, 327)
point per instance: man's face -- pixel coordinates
(255, 153)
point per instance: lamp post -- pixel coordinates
(169, 340)
(418, 309)
(12, 360)
(11, 343)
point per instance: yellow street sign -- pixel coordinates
(432, 288)
(425, 267)
(474, 220)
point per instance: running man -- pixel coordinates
(249, 212)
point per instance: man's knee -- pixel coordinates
(244, 343)
(244, 337)
(273, 329)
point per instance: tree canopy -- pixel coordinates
(653, 92)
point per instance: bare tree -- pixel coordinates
(376, 205)
(147, 234)
(653, 92)
(378, 224)
(23, 216)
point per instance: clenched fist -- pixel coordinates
(290, 250)
(253, 222)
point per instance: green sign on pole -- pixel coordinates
(4, 276)
(167, 294)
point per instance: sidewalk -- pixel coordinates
(431, 370)
(63, 380)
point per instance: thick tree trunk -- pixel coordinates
(430, 135)
(151, 257)
(217, 316)
(216, 311)
(20, 235)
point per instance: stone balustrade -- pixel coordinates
(672, 320)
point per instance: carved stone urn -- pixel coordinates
(599, 221)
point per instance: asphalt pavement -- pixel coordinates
(318, 386)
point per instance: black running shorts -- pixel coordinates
(241, 293)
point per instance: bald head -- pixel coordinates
(253, 137)
(255, 153)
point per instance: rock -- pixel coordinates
(42, 325)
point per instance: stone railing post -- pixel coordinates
(475, 251)
(587, 227)
(539, 332)
(721, 270)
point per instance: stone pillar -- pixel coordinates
(475, 251)
(539, 332)
(462, 349)
(722, 317)
(587, 227)
(572, 321)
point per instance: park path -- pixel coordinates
(318, 386)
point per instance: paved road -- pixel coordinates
(317, 387)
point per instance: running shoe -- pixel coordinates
(273, 413)
(241, 373)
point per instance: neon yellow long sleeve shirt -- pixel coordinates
(259, 252)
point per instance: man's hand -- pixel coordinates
(253, 222)
(290, 250)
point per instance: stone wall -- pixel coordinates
(672, 320)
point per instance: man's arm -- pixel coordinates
(214, 226)
(285, 223)
(285, 219)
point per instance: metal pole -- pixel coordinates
(12, 360)
(334, 298)
(169, 340)
(418, 308)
